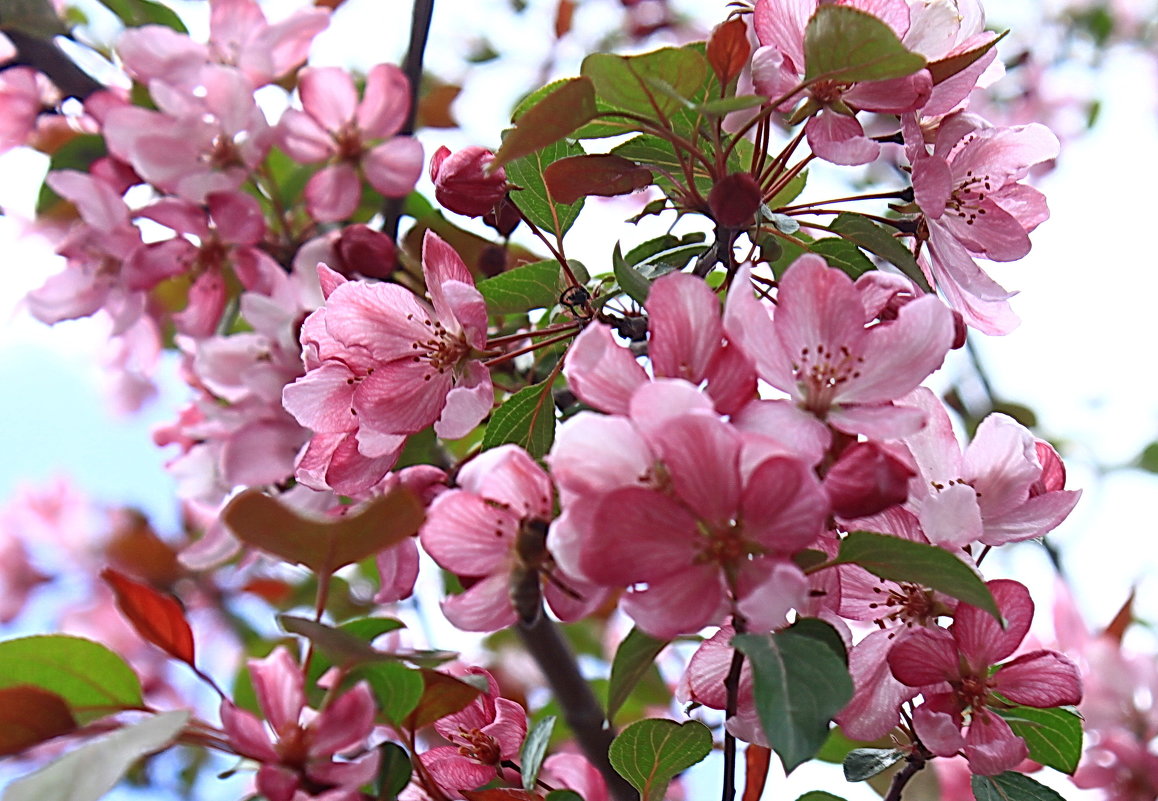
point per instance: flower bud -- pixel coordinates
(363, 250)
(735, 199)
(867, 479)
(461, 181)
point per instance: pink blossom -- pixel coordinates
(462, 183)
(489, 730)
(477, 531)
(953, 668)
(335, 127)
(832, 357)
(973, 205)
(297, 751)
(20, 105)
(992, 493)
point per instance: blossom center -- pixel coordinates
(906, 604)
(480, 747)
(821, 373)
(968, 196)
(442, 350)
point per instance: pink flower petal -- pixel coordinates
(468, 535)
(684, 321)
(394, 167)
(982, 640)
(328, 95)
(333, 193)
(600, 372)
(1042, 678)
(991, 746)
(839, 139)
(385, 103)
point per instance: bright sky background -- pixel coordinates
(1081, 358)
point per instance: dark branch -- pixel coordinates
(44, 55)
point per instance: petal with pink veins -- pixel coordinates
(991, 746)
(468, 535)
(840, 140)
(1042, 679)
(600, 372)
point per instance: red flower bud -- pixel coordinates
(461, 182)
(867, 479)
(363, 250)
(735, 199)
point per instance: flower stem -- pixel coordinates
(914, 764)
(581, 710)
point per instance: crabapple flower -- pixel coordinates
(972, 203)
(300, 754)
(954, 669)
(462, 183)
(382, 364)
(335, 127)
(835, 360)
(475, 532)
(996, 492)
(489, 730)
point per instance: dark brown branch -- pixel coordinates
(44, 55)
(581, 710)
(914, 765)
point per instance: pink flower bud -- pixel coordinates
(735, 199)
(363, 250)
(867, 479)
(1053, 471)
(461, 182)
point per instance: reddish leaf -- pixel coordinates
(728, 49)
(443, 695)
(549, 120)
(323, 545)
(501, 794)
(434, 108)
(1125, 616)
(156, 617)
(756, 760)
(564, 13)
(946, 68)
(579, 176)
(30, 715)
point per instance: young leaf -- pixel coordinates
(845, 44)
(533, 197)
(527, 418)
(500, 794)
(549, 120)
(799, 685)
(90, 771)
(323, 545)
(1010, 786)
(442, 695)
(135, 13)
(156, 617)
(630, 82)
(945, 68)
(30, 715)
(864, 763)
(529, 286)
(896, 559)
(862, 231)
(534, 750)
(346, 648)
(757, 760)
(605, 175)
(1054, 736)
(728, 49)
(819, 795)
(649, 753)
(91, 679)
(633, 658)
(396, 687)
(630, 279)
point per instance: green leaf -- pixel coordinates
(659, 154)
(91, 679)
(1054, 736)
(396, 687)
(528, 286)
(1010, 786)
(651, 84)
(323, 545)
(864, 763)
(394, 770)
(564, 795)
(550, 119)
(649, 753)
(874, 238)
(634, 656)
(630, 279)
(726, 105)
(817, 629)
(897, 559)
(819, 795)
(534, 750)
(527, 419)
(845, 44)
(135, 13)
(844, 256)
(533, 197)
(346, 649)
(799, 685)
(77, 153)
(442, 695)
(88, 772)
(945, 68)
(1148, 458)
(789, 193)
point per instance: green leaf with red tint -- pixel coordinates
(442, 695)
(91, 679)
(30, 715)
(156, 617)
(728, 49)
(323, 545)
(527, 419)
(945, 68)
(555, 116)
(844, 44)
(501, 794)
(604, 175)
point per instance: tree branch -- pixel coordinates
(44, 55)
(581, 710)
